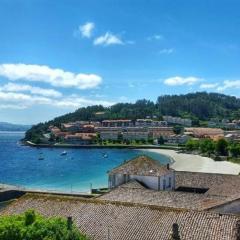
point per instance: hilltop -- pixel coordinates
(200, 106)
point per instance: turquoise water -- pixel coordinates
(19, 165)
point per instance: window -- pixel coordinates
(164, 184)
(170, 182)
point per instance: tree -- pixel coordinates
(222, 147)
(192, 145)
(234, 149)
(207, 146)
(31, 226)
(161, 140)
(150, 140)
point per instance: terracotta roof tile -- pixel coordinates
(102, 219)
(142, 165)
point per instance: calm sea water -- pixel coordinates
(19, 165)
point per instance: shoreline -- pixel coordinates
(197, 163)
(179, 161)
(28, 143)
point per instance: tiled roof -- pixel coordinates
(134, 192)
(143, 166)
(103, 220)
(205, 131)
(218, 184)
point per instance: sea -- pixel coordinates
(77, 171)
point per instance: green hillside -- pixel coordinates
(197, 106)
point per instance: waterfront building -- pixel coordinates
(109, 133)
(80, 138)
(135, 133)
(147, 171)
(157, 132)
(178, 139)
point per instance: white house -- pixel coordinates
(149, 172)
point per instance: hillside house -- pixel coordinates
(117, 123)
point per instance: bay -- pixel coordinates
(75, 171)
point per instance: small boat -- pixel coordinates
(63, 153)
(104, 155)
(40, 157)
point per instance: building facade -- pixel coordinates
(146, 171)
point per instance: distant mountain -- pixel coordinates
(199, 106)
(5, 126)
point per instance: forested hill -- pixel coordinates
(197, 106)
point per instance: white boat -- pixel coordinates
(63, 153)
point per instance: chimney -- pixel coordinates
(168, 166)
(69, 223)
(175, 232)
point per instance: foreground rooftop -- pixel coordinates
(216, 184)
(135, 193)
(101, 219)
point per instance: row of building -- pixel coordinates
(88, 133)
(224, 123)
(177, 120)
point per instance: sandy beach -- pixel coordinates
(196, 163)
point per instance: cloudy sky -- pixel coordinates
(57, 56)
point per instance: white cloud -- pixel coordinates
(108, 39)
(11, 106)
(12, 87)
(86, 30)
(76, 102)
(208, 85)
(20, 101)
(166, 51)
(177, 81)
(55, 77)
(155, 37)
(229, 84)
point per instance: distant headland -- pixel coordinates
(6, 126)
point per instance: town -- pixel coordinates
(171, 130)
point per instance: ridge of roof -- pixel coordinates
(141, 165)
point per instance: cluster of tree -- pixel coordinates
(196, 106)
(200, 106)
(219, 148)
(31, 226)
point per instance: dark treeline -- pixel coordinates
(196, 106)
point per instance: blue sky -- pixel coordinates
(56, 56)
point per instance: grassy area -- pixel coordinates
(234, 160)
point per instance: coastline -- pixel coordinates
(197, 163)
(180, 161)
(28, 143)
